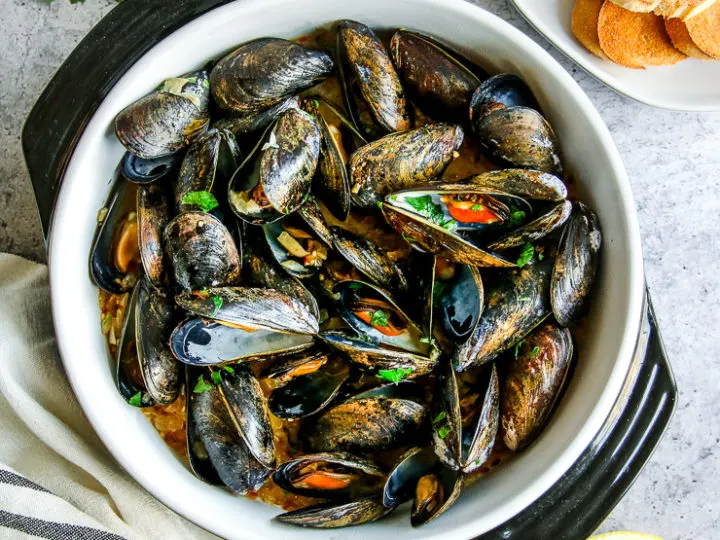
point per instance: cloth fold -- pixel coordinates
(57, 480)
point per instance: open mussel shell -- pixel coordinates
(521, 137)
(426, 220)
(366, 69)
(147, 171)
(446, 419)
(114, 247)
(286, 369)
(524, 183)
(369, 259)
(275, 179)
(533, 383)
(575, 264)
(375, 315)
(198, 458)
(166, 120)
(480, 430)
(457, 298)
(518, 301)
(221, 436)
(400, 160)
(439, 79)
(153, 211)
(333, 515)
(435, 493)
(376, 358)
(366, 425)
(262, 73)
(240, 126)
(500, 92)
(402, 479)
(208, 165)
(552, 219)
(250, 308)
(201, 342)
(329, 475)
(308, 394)
(202, 251)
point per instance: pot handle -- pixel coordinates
(60, 115)
(578, 503)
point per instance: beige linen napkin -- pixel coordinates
(57, 480)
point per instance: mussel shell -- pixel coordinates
(198, 458)
(533, 383)
(540, 227)
(478, 440)
(452, 483)
(311, 213)
(435, 238)
(446, 420)
(409, 468)
(153, 212)
(333, 515)
(521, 137)
(305, 395)
(363, 59)
(367, 474)
(246, 401)
(208, 164)
(439, 80)
(154, 318)
(528, 184)
(251, 123)
(460, 303)
(221, 436)
(400, 160)
(262, 73)
(412, 340)
(286, 369)
(120, 202)
(369, 259)
(575, 265)
(366, 425)
(517, 301)
(201, 342)
(500, 92)
(166, 120)
(146, 171)
(374, 357)
(202, 251)
(250, 307)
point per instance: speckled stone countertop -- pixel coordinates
(673, 161)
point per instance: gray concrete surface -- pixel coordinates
(673, 160)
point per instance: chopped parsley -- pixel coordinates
(424, 206)
(517, 347)
(206, 83)
(379, 204)
(229, 369)
(216, 377)
(534, 352)
(394, 375)
(379, 318)
(355, 286)
(443, 431)
(204, 199)
(477, 207)
(440, 417)
(406, 237)
(526, 255)
(217, 302)
(201, 386)
(192, 79)
(136, 400)
(540, 255)
(107, 319)
(516, 218)
(438, 290)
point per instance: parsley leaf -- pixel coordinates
(424, 206)
(379, 204)
(379, 318)
(540, 255)
(216, 377)
(217, 302)
(229, 369)
(439, 418)
(394, 375)
(443, 431)
(355, 286)
(204, 199)
(534, 352)
(206, 83)
(476, 207)
(406, 237)
(517, 347)
(526, 255)
(438, 291)
(201, 386)
(136, 400)
(516, 218)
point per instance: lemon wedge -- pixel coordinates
(625, 535)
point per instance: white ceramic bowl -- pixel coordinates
(590, 156)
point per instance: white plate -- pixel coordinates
(690, 85)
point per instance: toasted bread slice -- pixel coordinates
(585, 25)
(641, 6)
(635, 40)
(704, 30)
(685, 9)
(682, 41)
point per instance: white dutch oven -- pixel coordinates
(590, 156)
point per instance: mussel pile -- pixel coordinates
(346, 315)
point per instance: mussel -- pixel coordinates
(457, 298)
(168, 119)
(435, 493)
(500, 92)
(333, 515)
(153, 214)
(147, 171)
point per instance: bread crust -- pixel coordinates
(678, 32)
(585, 17)
(704, 30)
